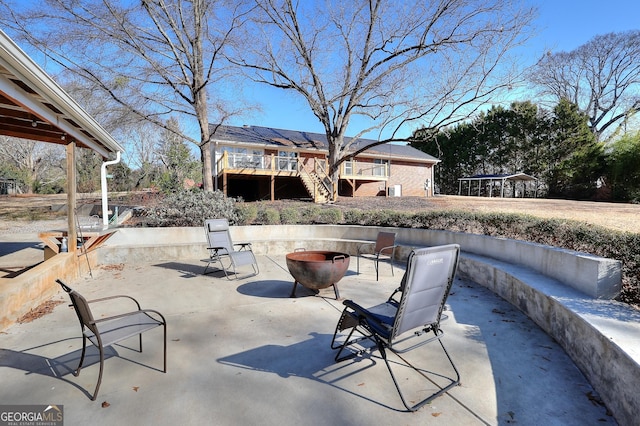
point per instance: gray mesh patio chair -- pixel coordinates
(220, 247)
(106, 331)
(384, 249)
(393, 325)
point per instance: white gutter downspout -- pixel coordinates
(103, 186)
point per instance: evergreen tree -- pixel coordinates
(576, 159)
(624, 168)
(558, 148)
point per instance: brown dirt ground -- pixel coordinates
(616, 216)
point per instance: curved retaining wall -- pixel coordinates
(595, 276)
(565, 292)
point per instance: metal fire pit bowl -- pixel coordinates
(317, 269)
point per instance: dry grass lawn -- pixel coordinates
(616, 216)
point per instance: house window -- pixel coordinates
(243, 158)
(288, 161)
(380, 167)
(348, 168)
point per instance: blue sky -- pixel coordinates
(566, 24)
(561, 25)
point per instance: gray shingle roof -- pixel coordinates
(281, 138)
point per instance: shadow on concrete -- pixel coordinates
(57, 367)
(13, 247)
(12, 272)
(531, 357)
(65, 364)
(188, 270)
(13, 265)
(294, 361)
(279, 289)
(273, 289)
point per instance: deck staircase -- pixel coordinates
(315, 186)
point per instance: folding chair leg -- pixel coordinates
(347, 321)
(164, 326)
(377, 265)
(454, 382)
(344, 345)
(221, 268)
(95, 393)
(348, 342)
(84, 350)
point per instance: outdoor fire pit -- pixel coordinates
(317, 269)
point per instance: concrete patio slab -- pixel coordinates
(243, 352)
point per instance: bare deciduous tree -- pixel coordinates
(157, 58)
(385, 64)
(602, 77)
(33, 164)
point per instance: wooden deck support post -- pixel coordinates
(71, 196)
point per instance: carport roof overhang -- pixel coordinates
(516, 176)
(33, 106)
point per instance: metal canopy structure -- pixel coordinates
(491, 180)
(33, 106)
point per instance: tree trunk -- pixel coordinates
(200, 98)
(334, 166)
(207, 174)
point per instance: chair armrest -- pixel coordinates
(127, 314)
(243, 245)
(218, 249)
(388, 248)
(363, 245)
(353, 305)
(102, 299)
(392, 297)
(362, 312)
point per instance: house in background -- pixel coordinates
(258, 163)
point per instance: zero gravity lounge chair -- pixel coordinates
(106, 331)
(400, 326)
(222, 249)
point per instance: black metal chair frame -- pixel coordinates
(388, 324)
(107, 331)
(384, 249)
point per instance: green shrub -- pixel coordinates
(290, 216)
(268, 216)
(309, 215)
(331, 216)
(247, 213)
(396, 219)
(191, 208)
(353, 217)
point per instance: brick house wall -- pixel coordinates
(409, 169)
(410, 176)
